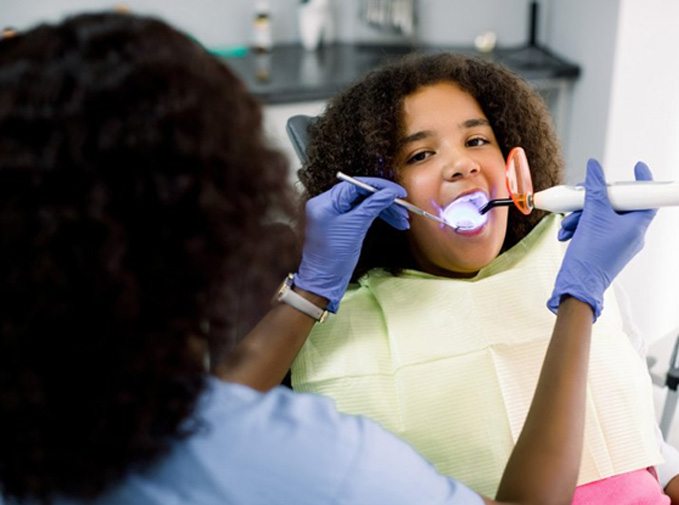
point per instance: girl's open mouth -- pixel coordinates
(463, 213)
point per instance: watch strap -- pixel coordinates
(288, 296)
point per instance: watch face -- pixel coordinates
(286, 295)
(282, 289)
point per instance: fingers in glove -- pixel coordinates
(344, 196)
(396, 216)
(642, 172)
(595, 183)
(568, 225)
(376, 203)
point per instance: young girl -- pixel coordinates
(441, 338)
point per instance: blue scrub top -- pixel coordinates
(285, 448)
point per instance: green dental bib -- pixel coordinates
(450, 365)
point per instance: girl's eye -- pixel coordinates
(477, 141)
(417, 157)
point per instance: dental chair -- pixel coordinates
(297, 128)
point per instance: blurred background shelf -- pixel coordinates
(290, 80)
(289, 73)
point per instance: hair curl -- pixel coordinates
(359, 132)
(135, 189)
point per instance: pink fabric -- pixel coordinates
(640, 487)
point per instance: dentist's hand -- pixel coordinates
(336, 224)
(603, 242)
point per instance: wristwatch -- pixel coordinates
(287, 295)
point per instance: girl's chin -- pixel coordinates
(458, 267)
(456, 271)
(477, 255)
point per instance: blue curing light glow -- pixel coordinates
(463, 213)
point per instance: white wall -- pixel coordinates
(457, 22)
(643, 124)
(585, 32)
(626, 108)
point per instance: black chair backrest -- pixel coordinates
(297, 129)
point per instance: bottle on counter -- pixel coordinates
(262, 39)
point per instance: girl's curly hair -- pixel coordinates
(135, 190)
(359, 131)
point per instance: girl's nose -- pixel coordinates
(461, 167)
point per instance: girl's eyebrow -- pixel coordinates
(469, 123)
(414, 137)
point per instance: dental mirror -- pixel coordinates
(462, 215)
(398, 201)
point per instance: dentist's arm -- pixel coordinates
(336, 224)
(543, 467)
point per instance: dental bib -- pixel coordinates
(450, 365)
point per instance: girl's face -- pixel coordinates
(448, 151)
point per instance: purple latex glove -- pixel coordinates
(336, 224)
(603, 241)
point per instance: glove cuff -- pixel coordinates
(582, 281)
(317, 287)
(576, 291)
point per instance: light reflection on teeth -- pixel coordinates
(463, 213)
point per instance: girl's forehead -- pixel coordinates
(443, 101)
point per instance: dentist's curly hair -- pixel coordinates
(359, 132)
(136, 200)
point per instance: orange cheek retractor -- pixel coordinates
(519, 184)
(623, 195)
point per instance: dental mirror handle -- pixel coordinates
(624, 196)
(403, 203)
